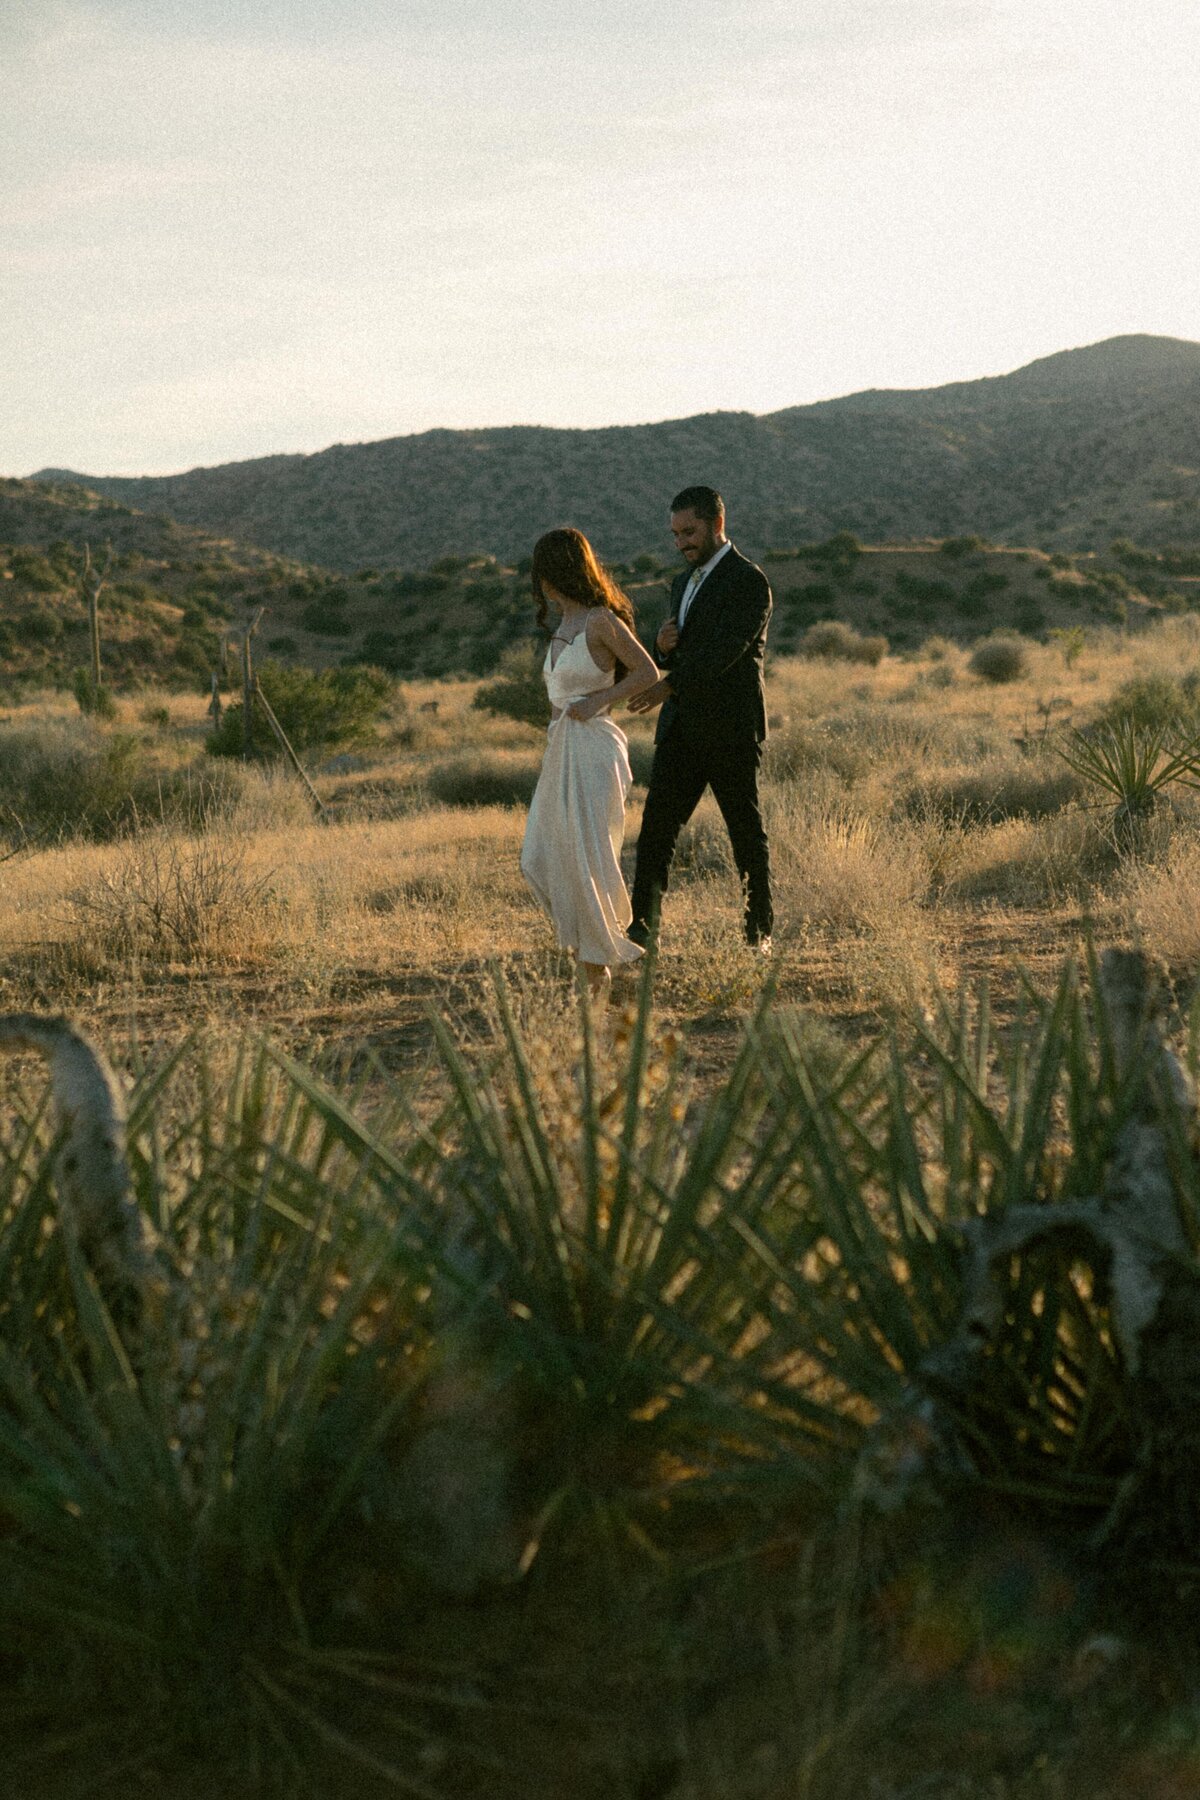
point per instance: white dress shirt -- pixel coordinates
(698, 576)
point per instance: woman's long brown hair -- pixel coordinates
(564, 560)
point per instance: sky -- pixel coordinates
(234, 228)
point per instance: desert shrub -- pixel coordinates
(325, 619)
(833, 744)
(1149, 701)
(519, 690)
(958, 547)
(1037, 862)
(1000, 788)
(170, 896)
(33, 570)
(95, 702)
(930, 590)
(283, 645)
(1000, 658)
(41, 627)
(492, 780)
(319, 710)
(62, 781)
(936, 649)
(814, 594)
(832, 639)
(415, 583)
(641, 760)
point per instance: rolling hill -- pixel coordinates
(1069, 452)
(175, 593)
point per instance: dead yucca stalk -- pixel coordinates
(97, 1207)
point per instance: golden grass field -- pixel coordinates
(923, 831)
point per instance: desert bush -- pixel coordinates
(927, 590)
(1000, 658)
(325, 710)
(1154, 701)
(77, 779)
(958, 547)
(796, 751)
(95, 702)
(174, 898)
(1160, 900)
(936, 649)
(325, 619)
(496, 779)
(1003, 787)
(831, 638)
(519, 690)
(1038, 862)
(843, 870)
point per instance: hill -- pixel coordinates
(1069, 452)
(175, 593)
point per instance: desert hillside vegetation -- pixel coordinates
(1069, 452)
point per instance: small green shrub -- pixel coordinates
(830, 638)
(1151, 701)
(76, 780)
(495, 780)
(325, 620)
(1003, 657)
(95, 702)
(958, 547)
(519, 690)
(323, 710)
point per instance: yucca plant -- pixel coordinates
(175, 1489)
(1133, 762)
(591, 1246)
(974, 1277)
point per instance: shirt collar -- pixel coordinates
(699, 575)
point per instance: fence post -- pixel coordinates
(248, 684)
(282, 735)
(92, 580)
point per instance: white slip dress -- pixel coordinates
(572, 848)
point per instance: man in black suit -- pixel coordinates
(713, 722)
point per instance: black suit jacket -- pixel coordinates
(716, 669)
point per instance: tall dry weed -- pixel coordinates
(1161, 905)
(176, 899)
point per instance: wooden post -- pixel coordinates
(92, 580)
(281, 734)
(248, 685)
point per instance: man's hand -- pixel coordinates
(651, 697)
(668, 637)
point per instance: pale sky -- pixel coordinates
(230, 228)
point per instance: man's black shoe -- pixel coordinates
(639, 934)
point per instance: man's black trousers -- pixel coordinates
(682, 770)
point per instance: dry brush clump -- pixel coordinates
(177, 899)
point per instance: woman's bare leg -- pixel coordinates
(599, 981)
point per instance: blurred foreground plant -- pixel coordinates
(562, 1321)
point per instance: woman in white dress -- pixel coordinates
(572, 849)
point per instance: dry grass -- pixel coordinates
(921, 829)
(1160, 902)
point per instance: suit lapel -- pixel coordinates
(706, 589)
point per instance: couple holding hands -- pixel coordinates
(710, 733)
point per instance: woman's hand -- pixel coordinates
(588, 707)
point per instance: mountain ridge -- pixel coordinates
(1069, 451)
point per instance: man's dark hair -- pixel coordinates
(705, 502)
